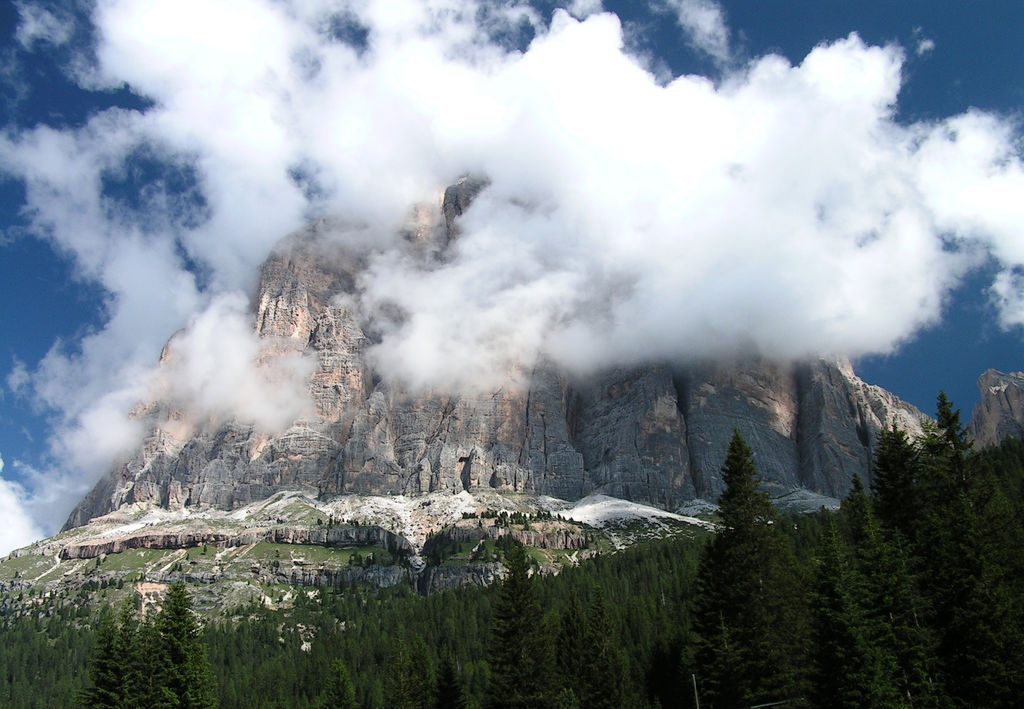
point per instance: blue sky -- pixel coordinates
(152, 156)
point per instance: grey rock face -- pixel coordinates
(758, 399)
(444, 578)
(630, 429)
(655, 434)
(417, 444)
(457, 199)
(810, 425)
(1000, 413)
(839, 420)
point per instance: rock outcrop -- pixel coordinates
(549, 535)
(342, 537)
(444, 578)
(655, 434)
(1000, 413)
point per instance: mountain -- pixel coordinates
(654, 434)
(377, 483)
(1000, 413)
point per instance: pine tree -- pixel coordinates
(409, 683)
(187, 680)
(892, 603)
(750, 615)
(107, 690)
(603, 665)
(339, 693)
(570, 647)
(133, 663)
(518, 656)
(896, 473)
(449, 694)
(853, 668)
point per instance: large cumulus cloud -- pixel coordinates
(779, 209)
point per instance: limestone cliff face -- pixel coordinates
(655, 434)
(810, 424)
(1000, 413)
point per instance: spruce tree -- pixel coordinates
(409, 683)
(187, 682)
(603, 676)
(896, 472)
(892, 603)
(968, 552)
(853, 669)
(339, 692)
(133, 667)
(570, 646)
(955, 433)
(107, 689)
(151, 688)
(159, 664)
(518, 657)
(399, 687)
(421, 672)
(902, 634)
(974, 581)
(750, 614)
(449, 694)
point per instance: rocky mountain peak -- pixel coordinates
(655, 433)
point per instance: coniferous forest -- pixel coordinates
(911, 595)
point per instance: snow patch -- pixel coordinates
(601, 510)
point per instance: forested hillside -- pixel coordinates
(910, 595)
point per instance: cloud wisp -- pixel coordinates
(703, 22)
(19, 528)
(780, 209)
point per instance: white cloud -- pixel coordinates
(1007, 293)
(703, 21)
(218, 366)
(780, 209)
(37, 24)
(582, 9)
(785, 212)
(19, 379)
(18, 528)
(923, 45)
